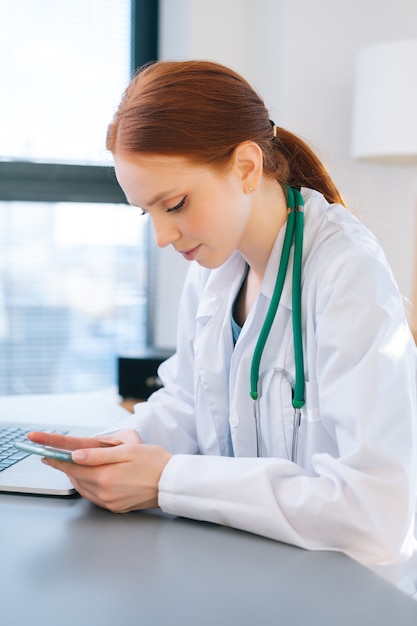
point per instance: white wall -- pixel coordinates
(300, 56)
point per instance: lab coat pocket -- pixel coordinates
(313, 437)
(276, 413)
(311, 411)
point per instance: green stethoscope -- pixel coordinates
(294, 232)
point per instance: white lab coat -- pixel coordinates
(354, 486)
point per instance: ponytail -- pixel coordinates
(301, 167)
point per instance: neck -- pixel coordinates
(268, 215)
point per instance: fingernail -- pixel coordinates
(79, 455)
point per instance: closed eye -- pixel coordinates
(178, 206)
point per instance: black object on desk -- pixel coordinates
(137, 375)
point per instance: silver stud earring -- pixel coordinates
(250, 188)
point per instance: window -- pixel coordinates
(73, 256)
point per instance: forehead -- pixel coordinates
(141, 176)
(154, 164)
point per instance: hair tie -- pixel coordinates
(274, 128)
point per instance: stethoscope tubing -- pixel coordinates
(293, 233)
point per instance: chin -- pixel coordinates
(212, 264)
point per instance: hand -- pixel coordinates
(117, 472)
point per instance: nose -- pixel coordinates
(166, 232)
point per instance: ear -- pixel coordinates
(248, 164)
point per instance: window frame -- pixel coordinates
(60, 182)
(30, 181)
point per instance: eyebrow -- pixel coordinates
(171, 193)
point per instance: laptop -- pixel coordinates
(84, 413)
(21, 472)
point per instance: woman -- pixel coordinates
(193, 146)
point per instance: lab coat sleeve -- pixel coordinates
(167, 417)
(361, 502)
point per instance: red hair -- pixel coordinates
(202, 111)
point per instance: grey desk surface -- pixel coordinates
(68, 562)
(65, 561)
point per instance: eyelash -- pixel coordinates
(174, 208)
(179, 205)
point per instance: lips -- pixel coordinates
(191, 253)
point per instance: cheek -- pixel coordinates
(200, 224)
(219, 216)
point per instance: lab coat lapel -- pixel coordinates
(213, 320)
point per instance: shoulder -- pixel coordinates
(335, 238)
(345, 270)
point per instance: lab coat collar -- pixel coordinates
(222, 282)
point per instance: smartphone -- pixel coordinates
(48, 451)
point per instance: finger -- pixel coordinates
(66, 442)
(82, 478)
(129, 434)
(104, 455)
(62, 466)
(85, 475)
(94, 457)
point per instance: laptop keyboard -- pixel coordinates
(9, 455)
